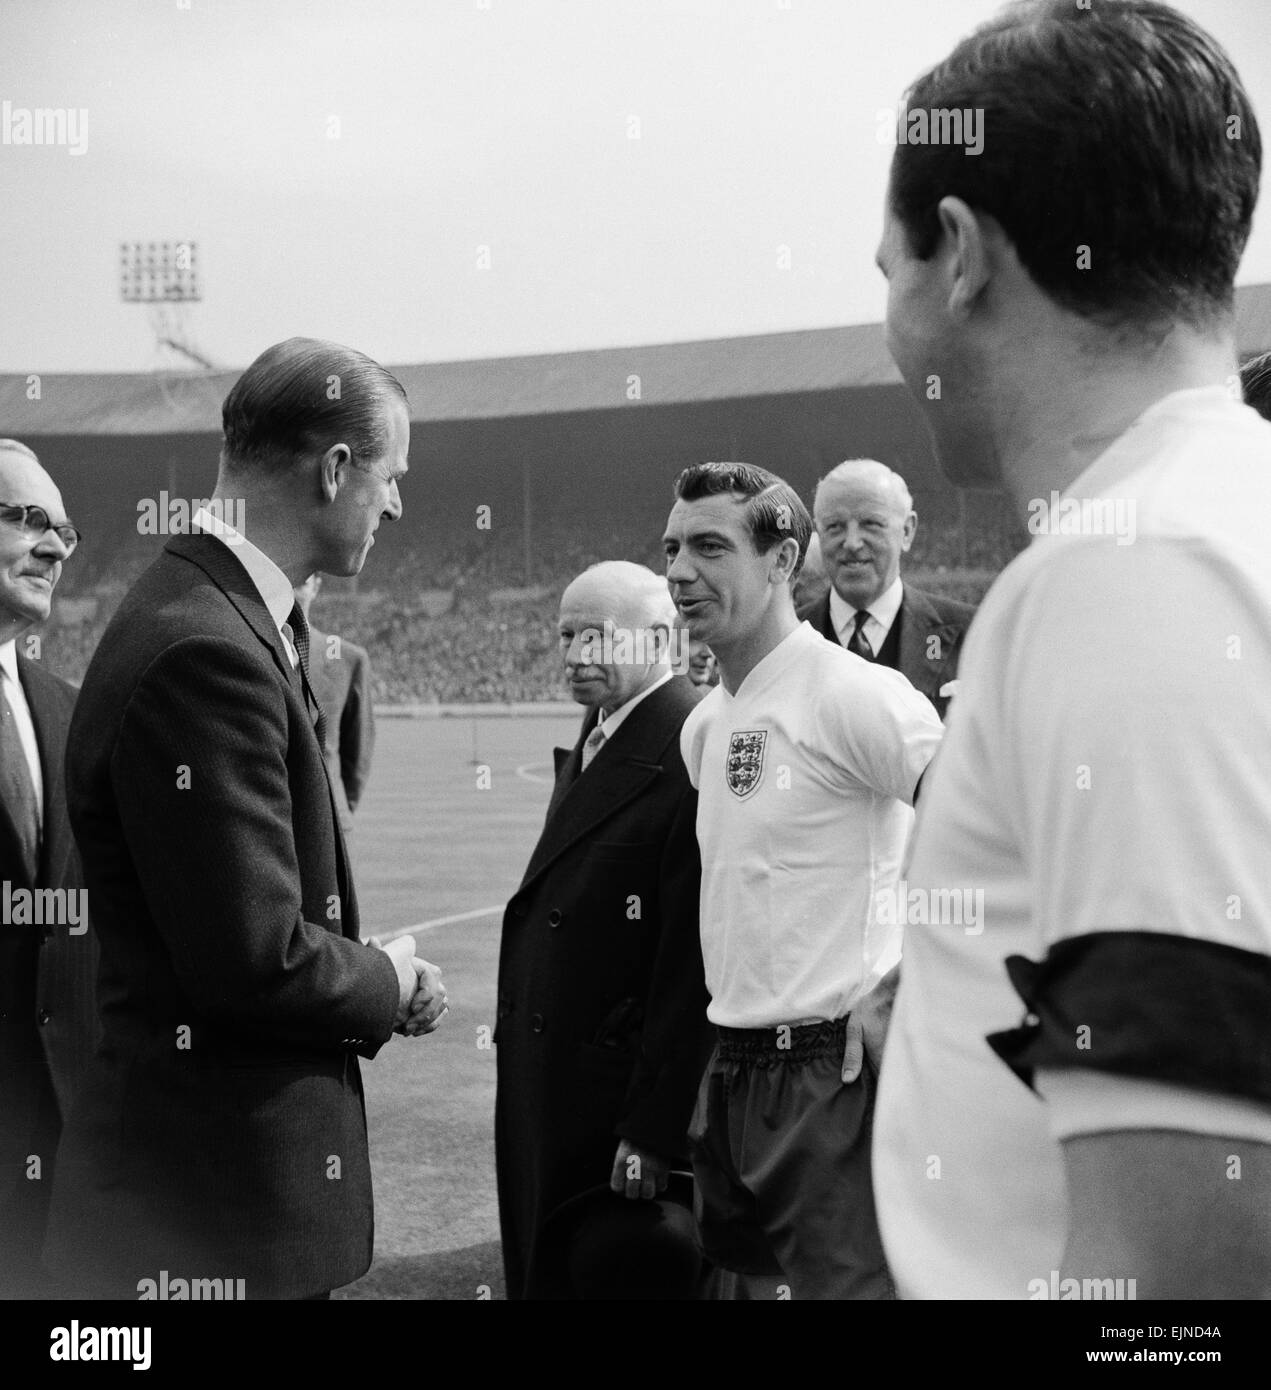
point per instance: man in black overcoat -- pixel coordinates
(602, 1032)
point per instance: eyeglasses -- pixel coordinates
(35, 522)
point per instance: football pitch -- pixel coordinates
(451, 813)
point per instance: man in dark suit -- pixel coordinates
(602, 1032)
(47, 954)
(221, 1133)
(340, 671)
(865, 520)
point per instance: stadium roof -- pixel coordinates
(720, 369)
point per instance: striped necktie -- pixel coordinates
(856, 642)
(300, 639)
(595, 742)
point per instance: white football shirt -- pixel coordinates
(805, 781)
(1105, 769)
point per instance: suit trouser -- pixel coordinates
(781, 1154)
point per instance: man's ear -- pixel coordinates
(784, 558)
(337, 456)
(972, 239)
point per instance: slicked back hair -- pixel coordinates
(773, 509)
(300, 397)
(1122, 128)
(1255, 384)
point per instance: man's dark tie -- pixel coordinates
(17, 787)
(300, 638)
(856, 642)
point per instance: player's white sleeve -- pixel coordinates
(879, 729)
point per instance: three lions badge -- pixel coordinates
(744, 769)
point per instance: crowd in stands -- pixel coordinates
(468, 615)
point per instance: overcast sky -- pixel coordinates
(342, 165)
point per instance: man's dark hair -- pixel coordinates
(773, 512)
(302, 396)
(1255, 384)
(1122, 127)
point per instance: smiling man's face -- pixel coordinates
(865, 528)
(721, 584)
(30, 566)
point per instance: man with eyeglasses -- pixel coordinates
(47, 954)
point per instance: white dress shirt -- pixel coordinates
(882, 614)
(271, 583)
(22, 719)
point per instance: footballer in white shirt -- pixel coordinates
(1076, 1101)
(806, 758)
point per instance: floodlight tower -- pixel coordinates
(165, 276)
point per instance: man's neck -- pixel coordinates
(655, 673)
(272, 527)
(1064, 410)
(738, 660)
(12, 627)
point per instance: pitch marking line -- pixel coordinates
(527, 772)
(472, 916)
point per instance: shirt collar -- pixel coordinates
(9, 659)
(610, 723)
(1191, 404)
(883, 610)
(272, 584)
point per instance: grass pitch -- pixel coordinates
(437, 837)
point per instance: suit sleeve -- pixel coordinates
(200, 777)
(357, 731)
(676, 1040)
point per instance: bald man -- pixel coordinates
(865, 521)
(48, 954)
(602, 1034)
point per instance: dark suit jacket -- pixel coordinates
(221, 1132)
(602, 1028)
(48, 1018)
(342, 682)
(922, 617)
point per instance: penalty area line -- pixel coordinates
(385, 937)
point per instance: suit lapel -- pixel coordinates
(622, 771)
(568, 763)
(919, 623)
(588, 802)
(223, 568)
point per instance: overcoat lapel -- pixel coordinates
(581, 802)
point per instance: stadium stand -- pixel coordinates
(452, 619)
